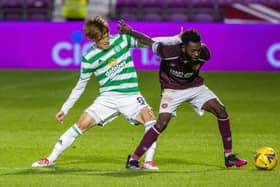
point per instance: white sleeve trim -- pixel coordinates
(169, 40)
(74, 96)
(134, 42)
(155, 47)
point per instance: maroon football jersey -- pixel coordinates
(176, 70)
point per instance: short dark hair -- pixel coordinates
(190, 36)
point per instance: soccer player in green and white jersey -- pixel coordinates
(109, 59)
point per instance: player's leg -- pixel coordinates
(216, 108)
(101, 111)
(151, 135)
(85, 122)
(137, 111)
(148, 140)
(147, 118)
(168, 107)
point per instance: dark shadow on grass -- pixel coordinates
(76, 171)
(122, 174)
(205, 168)
(92, 159)
(89, 159)
(176, 161)
(106, 173)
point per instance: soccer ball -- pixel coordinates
(265, 158)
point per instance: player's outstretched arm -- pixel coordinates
(170, 40)
(76, 93)
(126, 29)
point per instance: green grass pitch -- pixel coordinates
(189, 152)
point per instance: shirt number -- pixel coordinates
(140, 100)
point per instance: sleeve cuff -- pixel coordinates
(155, 47)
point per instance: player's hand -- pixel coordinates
(60, 116)
(124, 28)
(181, 31)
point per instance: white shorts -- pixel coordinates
(107, 108)
(196, 96)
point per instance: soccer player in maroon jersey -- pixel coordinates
(180, 82)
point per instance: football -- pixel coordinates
(265, 158)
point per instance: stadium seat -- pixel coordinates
(36, 16)
(151, 3)
(178, 17)
(128, 3)
(151, 13)
(128, 16)
(203, 2)
(38, 10)
(12, 16)
(196, 10)
(38, 4)
(12, 9)
(26, 9)
(127, 13)
(203, 17)
(12, 3)
(177, 3)
(176, 14)
(151, 17)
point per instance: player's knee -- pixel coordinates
(81, 126)
(161, 126)
(163, 121)
(221, 112)
(146, 114)
(85, 126)
(85, 122)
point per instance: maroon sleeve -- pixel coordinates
(205, 53)
(167, 51)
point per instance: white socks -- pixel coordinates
(73, 132)
(151, 151)
(64, 142)
(227, 154)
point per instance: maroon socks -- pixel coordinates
(148, 139)
(225, 132)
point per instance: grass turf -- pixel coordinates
(189, 152)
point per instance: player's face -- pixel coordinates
(104, 42)
(193, 50)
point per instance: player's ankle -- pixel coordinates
(227, 153)
(134, 157)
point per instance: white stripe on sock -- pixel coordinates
(149, 125)
(155, 130)
(151, 151)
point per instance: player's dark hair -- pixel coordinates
(95, 29)
(190, 36)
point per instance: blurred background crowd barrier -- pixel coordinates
(143, 10)
(243, 35)
(59, 45)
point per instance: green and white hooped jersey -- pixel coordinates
(113, 68)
